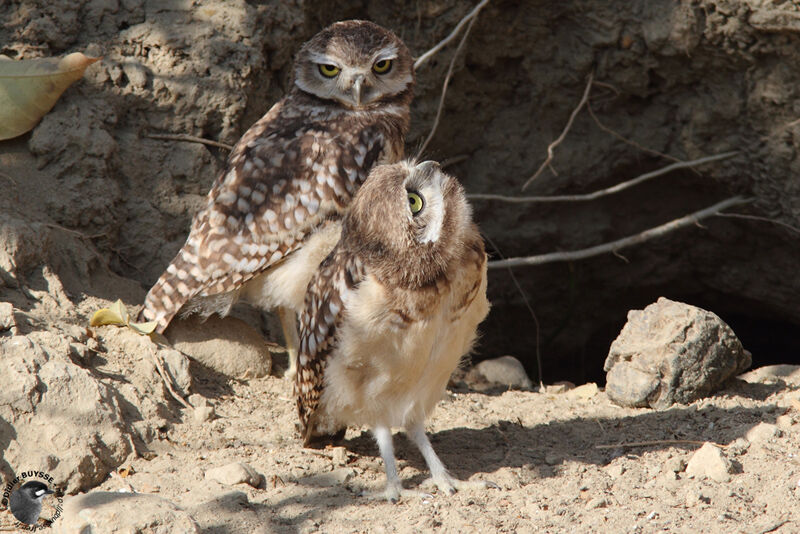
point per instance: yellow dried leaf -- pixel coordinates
(31, 87)
(144, 328)
(105, 316)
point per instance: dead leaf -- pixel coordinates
(125, 472)
(30, 88)
(118, 315)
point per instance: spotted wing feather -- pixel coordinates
(284, 177)
(340, 273)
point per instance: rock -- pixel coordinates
(202, 414)
(586, 391)
(597, 502)
(122, 513)
(615, 470)
(339, 456)
(709, 462)
(675, 464)
(177, 365)
(57, 417)
(7, 321)
(771, 374)
(235, 473)
(671, 353)
(762, 432)
(225, 344)
(505, 371)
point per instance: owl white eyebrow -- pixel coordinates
(390, 52)
(323, 59)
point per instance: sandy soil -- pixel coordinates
(554, 456)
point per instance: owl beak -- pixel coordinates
(358, 82)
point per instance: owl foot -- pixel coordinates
(394, 493)
(449, 485)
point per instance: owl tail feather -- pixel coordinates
(174, 288)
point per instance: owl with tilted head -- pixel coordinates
(390, 313)
(275, 211)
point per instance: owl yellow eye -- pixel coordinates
(383, 66)
(329, 71)
(415, 202)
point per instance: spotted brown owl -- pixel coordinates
(274, 213)
(391, 311)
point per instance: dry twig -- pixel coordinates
(658, 442)
(561, 137)
(608, 191)
(441, 44)
(167, 379)
(758, 218)
(190, 139)
(636, 239)
(623, 138)
(444, 86)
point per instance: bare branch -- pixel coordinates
(190, 139)
(636, 239)
(444, 87)
(625, 139)
(658, 442)
(441, 44)
(609, 190)
(561, 137)
(789, 227)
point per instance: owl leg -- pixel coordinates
(383, 435)
(292, 340)
(443, 480)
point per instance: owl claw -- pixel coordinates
(449, 485)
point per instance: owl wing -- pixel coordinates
(284, 177)
(339, 274)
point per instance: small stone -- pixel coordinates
(674, 465)
(709, 462)
(118, 513)
(762, 432)
(225, 344)
(785, 421)
(738, 447)
(197, 400)
(339, 456)
(772, 374)
(615, 470)
(694, 498)
(202, 414)
(586, 391)
(669, 353)
(177, 365)
(504, 371)
(7, 321)
(235, 473)
(597, 502)
(136, 73)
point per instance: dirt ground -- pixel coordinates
(93, 210)
(555, 457)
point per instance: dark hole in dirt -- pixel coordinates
(511, 330)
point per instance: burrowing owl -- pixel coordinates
(391, 311)
(273, 214)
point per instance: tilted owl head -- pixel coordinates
(355, 63)
(410, 220)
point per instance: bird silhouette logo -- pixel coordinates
(25, 502)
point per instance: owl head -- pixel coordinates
(355, 63)
(408, 222)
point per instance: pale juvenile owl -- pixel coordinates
(274, 213)
(391, 311)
